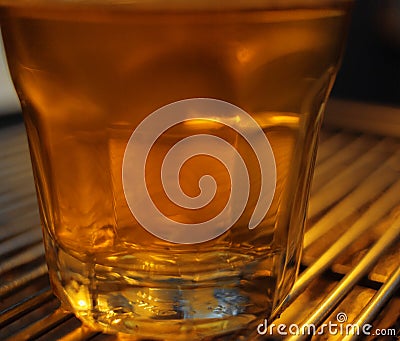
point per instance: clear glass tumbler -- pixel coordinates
(172, 145)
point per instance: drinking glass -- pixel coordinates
(172, 145)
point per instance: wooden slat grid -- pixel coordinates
(351, 259)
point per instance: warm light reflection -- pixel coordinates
(289, 120)
(82, 303)
(277, 119)
(150, 265)
(210, 122)
(244, 55)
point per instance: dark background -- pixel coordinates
(370, 70)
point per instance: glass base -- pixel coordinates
(233, 298)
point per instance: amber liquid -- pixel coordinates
(87, 76)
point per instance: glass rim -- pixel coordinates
(178, 4)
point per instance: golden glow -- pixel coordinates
(288, 120)
(244, 55)
(277, 119)
(210, 123)
(148, 265)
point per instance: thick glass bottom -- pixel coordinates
(232, 297)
